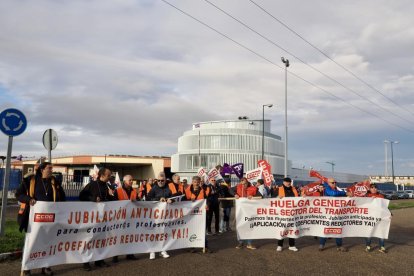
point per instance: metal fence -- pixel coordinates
(15, 179)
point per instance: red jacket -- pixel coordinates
(241, 191)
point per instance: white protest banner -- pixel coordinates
(254, 175)
(331, 217)
(267, 172)
(203, 174)
(214, 173)
(67, 232)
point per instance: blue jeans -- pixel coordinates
(368, 242)
(248, 242)
(225, 219)
(338, 241)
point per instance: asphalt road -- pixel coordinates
(226, 260)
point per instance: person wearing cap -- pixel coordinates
(373, 192)
(286, 190)
(332, 190)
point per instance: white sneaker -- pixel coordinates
(152, 256)
(293, 248)
(164, 254)
(279, 249)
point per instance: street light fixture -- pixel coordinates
(392, 159)
(286, 62)
(333, 165)
(269, 106)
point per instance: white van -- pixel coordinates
(410, 193)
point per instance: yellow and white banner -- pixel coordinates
(312, 216)
(78, 232)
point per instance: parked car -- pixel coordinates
(390, 195)
(410, 193)
(402, 195)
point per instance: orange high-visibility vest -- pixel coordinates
(173, 190)
(32, 189)
(282, 191)
(144, 190)
(122, 194)
(191, 196)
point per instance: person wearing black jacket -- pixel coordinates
(160, 192)
(213, 207)
(286, 190)
(97, 191)
(225, 191)
(39, 187)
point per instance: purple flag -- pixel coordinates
(238, 169)
(226, 170)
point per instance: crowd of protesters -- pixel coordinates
(219, 196)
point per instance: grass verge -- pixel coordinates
(13, 240)
(394, 205)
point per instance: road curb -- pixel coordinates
(10, 256)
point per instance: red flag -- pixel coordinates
(267, 172)
(313, 173)
(360, 189)
(311, 188)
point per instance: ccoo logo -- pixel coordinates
(44, 217)
(332, 230)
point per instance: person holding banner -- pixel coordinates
(262, 189)
(332, 190)
(97, 191)
(160, 192)
(126, 192)
(225, 205)
(39, 187)
(245, 189)
(373, 192)
(286, 190)
(197, 192)
(213, 207)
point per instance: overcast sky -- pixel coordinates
(129, 77)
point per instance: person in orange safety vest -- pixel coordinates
(126, 192)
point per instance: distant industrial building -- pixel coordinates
(140, 167)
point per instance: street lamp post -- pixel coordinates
(333, 165)
(269, 106)
(392, 159)
(386, 158)
(286, 62)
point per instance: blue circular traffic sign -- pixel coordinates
(12, 122)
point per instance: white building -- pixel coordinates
(239, 141)
(230, 141)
